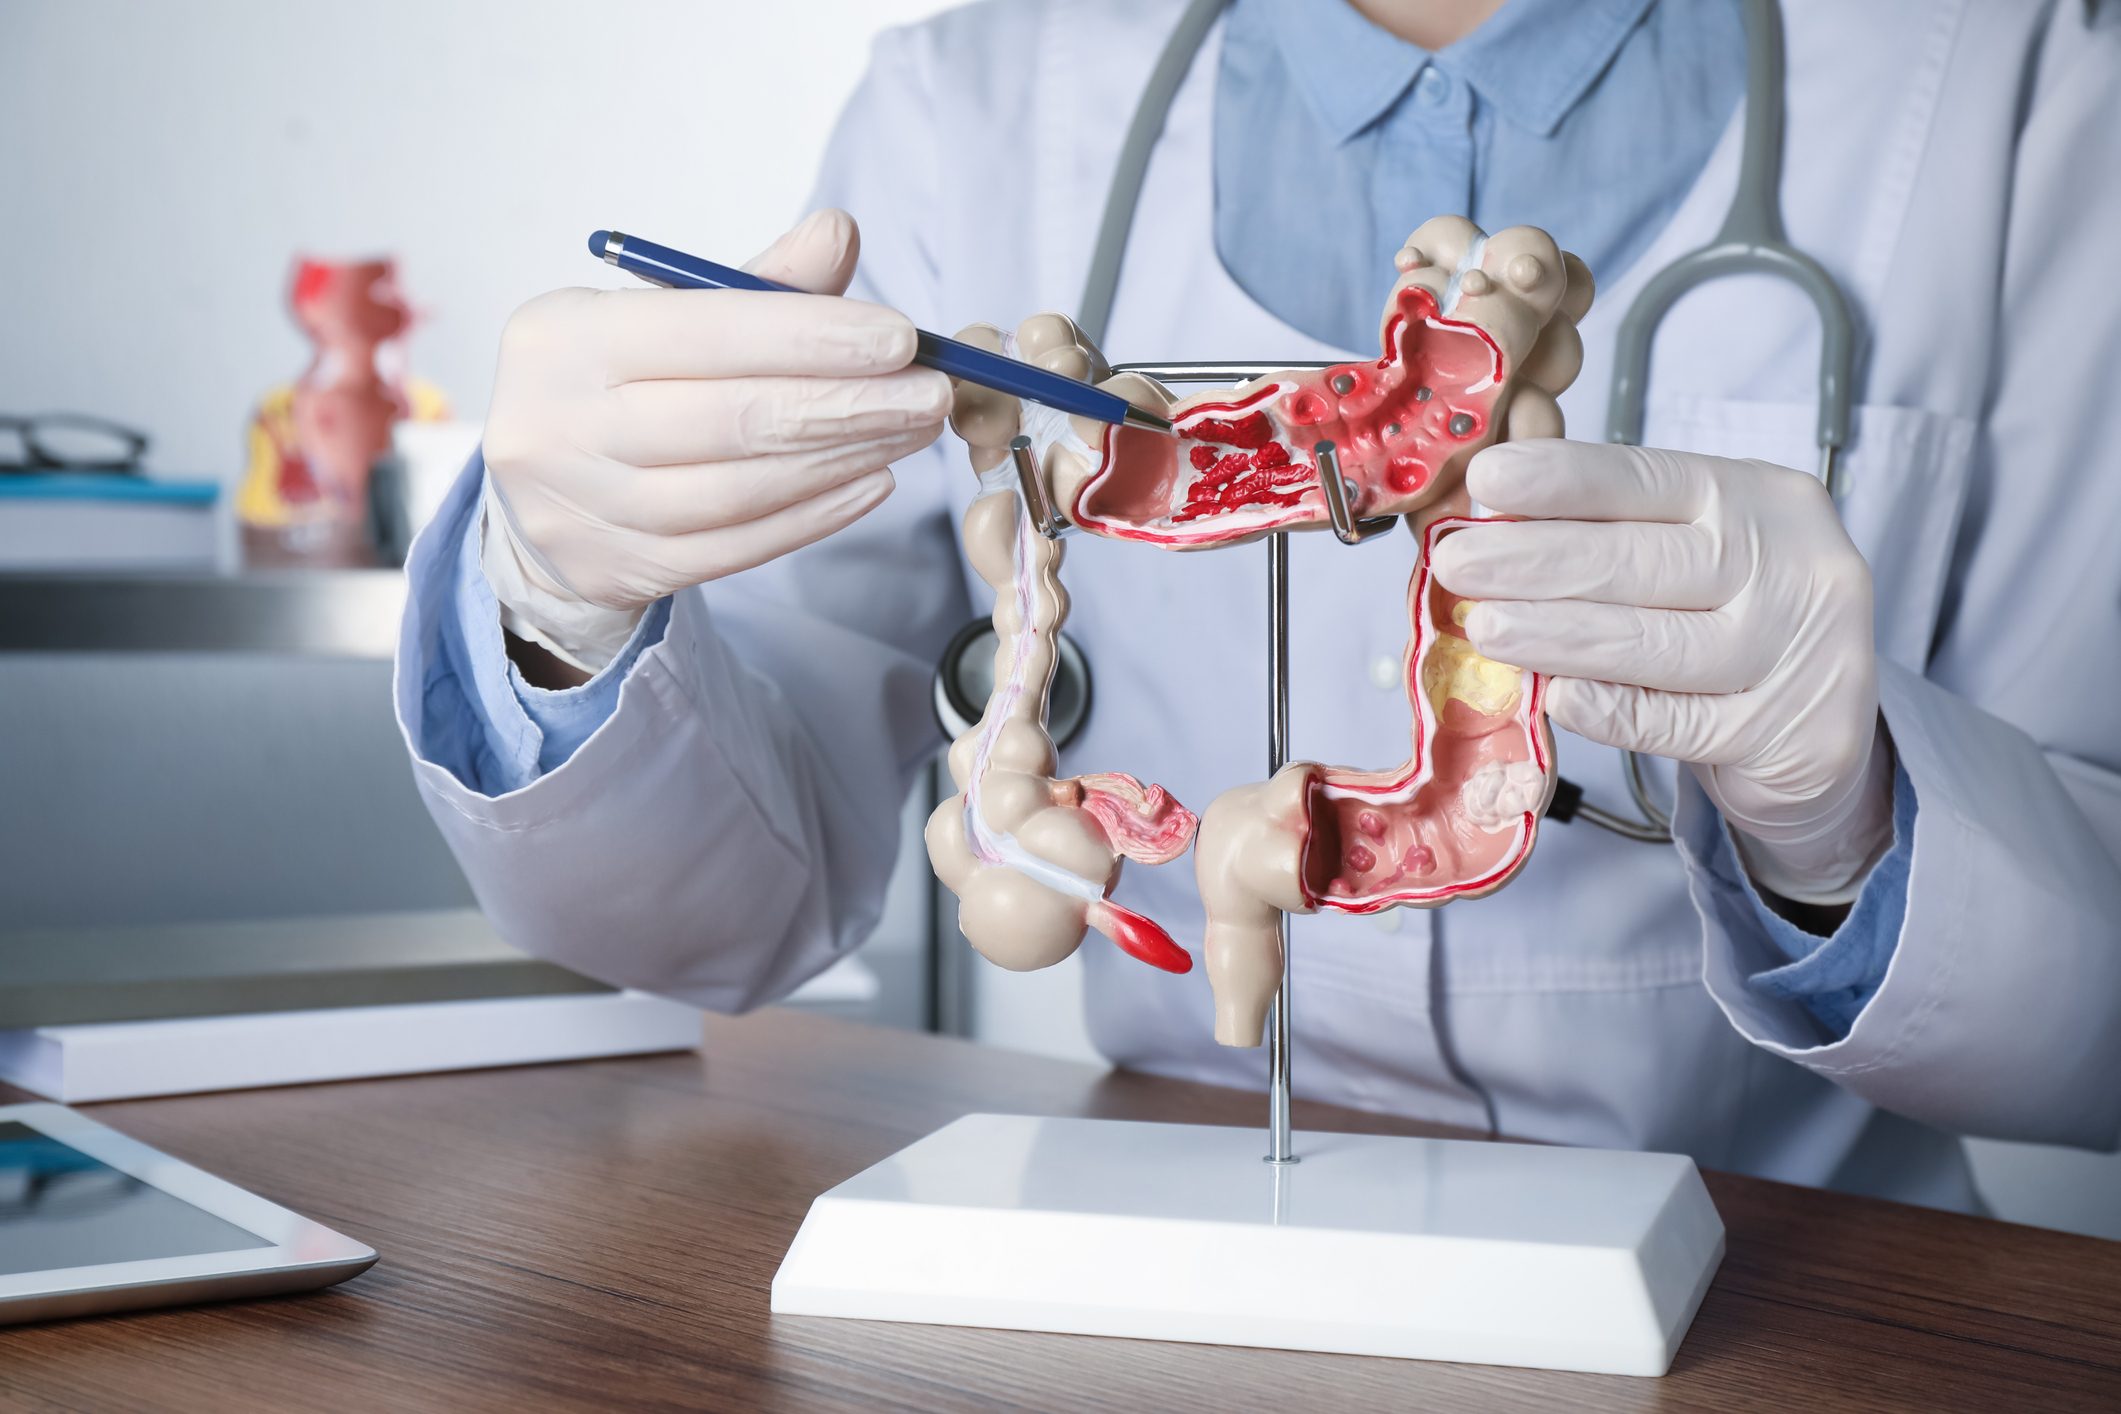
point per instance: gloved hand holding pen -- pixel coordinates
(641, 441)
(1709, 611)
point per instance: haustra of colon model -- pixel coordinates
(1479, 339)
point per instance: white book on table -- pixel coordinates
(80, 521)
(120, 1060)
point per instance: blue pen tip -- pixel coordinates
(596, 243)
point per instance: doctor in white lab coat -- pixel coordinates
(719, 827)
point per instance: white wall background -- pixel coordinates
(162, 162)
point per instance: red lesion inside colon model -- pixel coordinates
(1394, 420)
(1238, 463)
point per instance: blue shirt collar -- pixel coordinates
(1532, 61)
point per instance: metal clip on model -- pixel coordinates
(1038, 496)
(1346, 529)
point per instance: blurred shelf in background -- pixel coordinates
(332, 613)
(208, 809)
(64, 976)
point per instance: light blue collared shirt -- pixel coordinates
(1333, 140)
(480, 720)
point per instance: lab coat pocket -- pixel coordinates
(1904, 478)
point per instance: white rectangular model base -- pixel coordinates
(1433, 1249)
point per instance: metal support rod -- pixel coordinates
(1279, 1148)
(1038, 497)
(1213, 372)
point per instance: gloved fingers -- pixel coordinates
(1610, 562)
(1553, 479)
(678, 500)
(676, 421)
(1678, 650)
(742, 333)
(1677, 725)
(817, 254)
(710, 554)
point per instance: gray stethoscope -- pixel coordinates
(1751, 242)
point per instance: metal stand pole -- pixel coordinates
(1279, 1150)
(1350, 531)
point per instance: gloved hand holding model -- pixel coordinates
(1710, 611)
(641, 441)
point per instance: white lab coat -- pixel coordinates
(1956, 165)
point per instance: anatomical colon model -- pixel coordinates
(1479, 338)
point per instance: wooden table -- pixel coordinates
(603, 1234)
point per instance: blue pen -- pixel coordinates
(660, 265)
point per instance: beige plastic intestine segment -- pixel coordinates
(1526, 292)
(1032, 858)
(989, 420)
(1253, 876)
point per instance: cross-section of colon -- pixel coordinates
(1477, 338)
(1457, 820)
(1243, 464)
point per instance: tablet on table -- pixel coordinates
(91, 1221)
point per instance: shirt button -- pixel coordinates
(1386, 922)
(1384, 672)
(1433, 87)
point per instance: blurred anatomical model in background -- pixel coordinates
(304, 497)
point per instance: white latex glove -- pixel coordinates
(1705, 610)
(644, 440)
